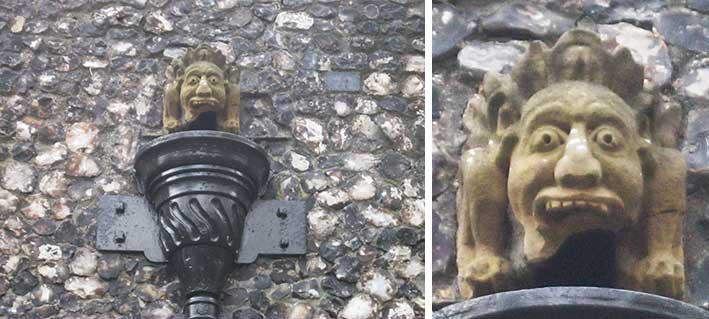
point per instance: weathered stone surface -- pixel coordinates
(687, 30)
(481, 57)
(342, 81)
(76, 108)
(526, 20)
(449, 27)
(696, 148)
(648, 49)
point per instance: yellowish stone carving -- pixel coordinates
(199, 93)
(576, 143)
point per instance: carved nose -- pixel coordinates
(203, 88)
(577, 168)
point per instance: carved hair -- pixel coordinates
(577, 56)
(202, 53)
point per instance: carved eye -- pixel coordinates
(193, 80)
(213, 79)
(608, 138)
(546, 139)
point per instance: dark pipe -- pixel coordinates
(202, 184)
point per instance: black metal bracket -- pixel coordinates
(272, 227)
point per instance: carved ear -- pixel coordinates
(507, 146)
(647, 159)
(500, 93)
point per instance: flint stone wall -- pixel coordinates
(334, 87)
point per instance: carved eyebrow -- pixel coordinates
(554, 115)
(199, 72)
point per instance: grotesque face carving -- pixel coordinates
(579, 167)
(203, 88)
(576, 166)
(199, 94)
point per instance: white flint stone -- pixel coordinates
(413, 86)
(363, 188)
(60, 209)
(51, 155)
(49, 252)
(53, 184)
(37, 207)
(144, 101)
(84, 263)
(83, 166)
(86, 287)
(364, 125)
(379, 286)
(299, 162)
(17, 24)
(93, 62)
(378, 217)
(19, 177)
(413, 212)
(360, 162)
(311, 133)
(401, 310)
(366, 106)
(123, 48)
(379, 83)
(647, 47)
(8, 202)
(333, 198)
(8, 244)
(43, 294)
(398, 254)
(482, 57)
(414, 63)
(694, 83)
(410, 188)
(294, 20)
(359, 307)
(11, 264)
(81, 137)
(342, 108)
(157, 22)
(322, 223)
(24, 131)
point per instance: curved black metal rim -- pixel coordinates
(571, 297)
(144, 159)
(200, 134)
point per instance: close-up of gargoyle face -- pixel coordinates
(203, 88)
(576, 166)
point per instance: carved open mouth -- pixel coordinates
(200, 102)
(559, 207)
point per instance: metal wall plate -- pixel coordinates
(126, 223)
(272, 227)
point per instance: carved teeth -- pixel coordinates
(604, 208)
(552, 205)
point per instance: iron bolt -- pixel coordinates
(284, 243)
(121, 208)
(120, 238)
(281, 213)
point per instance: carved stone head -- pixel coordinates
(578, 146)
(199, 94)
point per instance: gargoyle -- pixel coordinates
(577, 144)
(199, 93)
